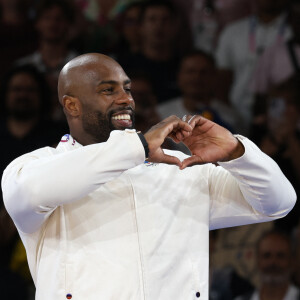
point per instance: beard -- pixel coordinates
(99, 126)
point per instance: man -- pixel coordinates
(24, 126)
(240, 46)
(196, 80)
(274, 263)
(158, 56)
(53, 23)
(99, 223)
(279, 62)
(146, 114)
(197, 83)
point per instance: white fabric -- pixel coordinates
(274, 67)
(234, 53)
(98, 223)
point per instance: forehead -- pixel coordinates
(22, 78)
(96, 72)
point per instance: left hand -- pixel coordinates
(210, 143)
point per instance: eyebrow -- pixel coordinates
(127, 81)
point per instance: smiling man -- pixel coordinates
(99, 223)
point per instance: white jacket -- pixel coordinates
(99, 223)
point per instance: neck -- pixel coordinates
(20, 129)
(273, 292)
(157, 52)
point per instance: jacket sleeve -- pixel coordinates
(35, 184)
(249, 189)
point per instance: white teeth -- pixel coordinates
(121, 117)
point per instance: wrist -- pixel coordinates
(237, 152)
(145, 144)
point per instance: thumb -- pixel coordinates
(171, 160)
(191, 161)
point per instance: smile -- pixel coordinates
(121, 117)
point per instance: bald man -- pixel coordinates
(99, 222)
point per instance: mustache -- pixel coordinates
(113, 111)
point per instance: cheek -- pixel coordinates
(95, 104)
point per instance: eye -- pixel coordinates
(127, 89)
(108, 90)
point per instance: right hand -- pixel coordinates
(172, 127)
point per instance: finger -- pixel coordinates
(183, 126)
(189, 121)
(191, 161)
(179, 135)
(171, 160)
(178, 125)
(193, 120)
(182, 134)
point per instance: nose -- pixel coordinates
(124, 98)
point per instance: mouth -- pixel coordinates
(122, 119)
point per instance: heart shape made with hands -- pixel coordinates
(209, 143)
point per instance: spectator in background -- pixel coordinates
(24, 124)
(158, 53)
(25, 106)
(274, 263)
(208, 17)
(102, 18)
(280, 61)
(146, 111)
(240, 46)
(197, 83)
(278, 135)
(18, 37)
(225, 283)
(53, 22)
(128, 24)
(146, 114)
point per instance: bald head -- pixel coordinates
(82, 70)
(95, 94)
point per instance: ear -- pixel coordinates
(71, 105)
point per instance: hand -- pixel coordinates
(172, 127)
(210, 143)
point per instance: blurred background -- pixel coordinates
(235, 62)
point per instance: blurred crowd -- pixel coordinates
(236, 62)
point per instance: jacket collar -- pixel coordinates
(68, 143)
